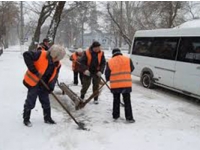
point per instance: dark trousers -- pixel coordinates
(127, 106)
(32, 95)
(86, 84)
(76, 77)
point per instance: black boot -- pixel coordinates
(128, 108)
(116, 106)
(96, 100)
(26, 117)
(47, 116)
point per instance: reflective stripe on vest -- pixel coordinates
(74, 57)
(120, 76)
(31, 77)
(89, 58)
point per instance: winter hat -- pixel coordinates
(79, 50)
(46, 40)
(116, 51)
(95, 44)
(57, 52)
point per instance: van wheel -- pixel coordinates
(147, 81)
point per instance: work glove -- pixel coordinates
(87, 73)
(51, 88)
(99, 74)
(39, 75)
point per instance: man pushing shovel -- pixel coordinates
(42, 65)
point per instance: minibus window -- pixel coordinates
(189, 50)
(159, 47)
(165, 47)
(142, 46)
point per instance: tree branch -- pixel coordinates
(126, 38)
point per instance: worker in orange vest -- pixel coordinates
(118, 72)
(43, 65)
(93, 63)
(75, 58)
(45, 45)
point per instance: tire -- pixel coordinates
(147, 81)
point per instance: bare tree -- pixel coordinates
(169, 12)
(68, 28)
(121, 21)
(143, 15)
(160, 14)
(55, 21)
(8, 16)
(93, 15)
(122, 31)
(46, 11)
(191, 10)
(74, 19)
(34, 6)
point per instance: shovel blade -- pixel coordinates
(80, 105)
(82, 126)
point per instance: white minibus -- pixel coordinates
(169, 58)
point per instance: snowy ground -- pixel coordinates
(164, 119)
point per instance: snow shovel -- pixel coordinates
(58, 83)
(105, 83)
(94, 94)
(73, 96)
(110, 89)
(80, 124)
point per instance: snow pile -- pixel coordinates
(164, 120)
(190, 24)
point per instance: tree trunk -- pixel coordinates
(44, 14)
(82, 34)
(55, 21)
(6, 38)
(124, 35)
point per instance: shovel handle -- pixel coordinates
(110, 88)
(105, 83)
(91, 97)
(46, 86)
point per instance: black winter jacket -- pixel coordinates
(44, 46)
(94, 62)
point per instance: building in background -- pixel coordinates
(107, 40)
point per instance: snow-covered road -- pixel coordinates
(164, 119)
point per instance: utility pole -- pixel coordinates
(22, 24)
(82, 27)
(120, 34)
(82, 34)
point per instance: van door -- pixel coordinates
(164, 49)
(187, 75)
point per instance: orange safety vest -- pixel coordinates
(41, 65)
(43, 49)
(120, 76)
(74, 57)
(89, 58)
